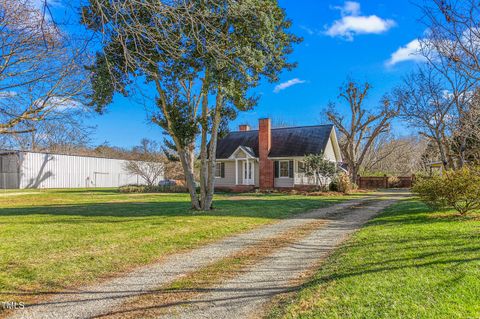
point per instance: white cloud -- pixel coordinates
(286, 85)
(61, 104)
(7, 94)
(409, 52)
(308, 30)
(353, 23)
(349, 8)
(449, 95)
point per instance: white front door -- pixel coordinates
(248, 173)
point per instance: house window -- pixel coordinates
(301, 167)
(284, 169)
(220, 170)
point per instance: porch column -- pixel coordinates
(247, 171)
(294, 171)
(236, 171)
(253, 171)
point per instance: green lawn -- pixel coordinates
(407, 263)
(55, 239)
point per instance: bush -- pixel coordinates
(393, 181)
(430, 190)
(334, 187)
(344, 183)
(152, 189)
(320, 169)
(459, 189)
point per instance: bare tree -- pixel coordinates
(65, 131)
(363, 127)
(279, 122)
(395, 156)
(147, 162)
(466, 127)
(424, 104)
(41, 70)
(454, 33)
(467, 138)
(457, 88)
(452, 48)
(150, 172)
(148, 149)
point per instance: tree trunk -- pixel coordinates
(204, 152)
(186, 161)
(463, 147)
(186, 155)
(207, 205)
(444, 156)
(354, 173)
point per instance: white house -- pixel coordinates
(270, 158)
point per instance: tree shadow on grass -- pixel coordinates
(419, 213)
(419, 239)
(451, 262)
(271, 208)
(112, 191)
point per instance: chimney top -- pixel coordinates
(244, 128)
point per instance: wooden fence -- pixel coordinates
(373, 182)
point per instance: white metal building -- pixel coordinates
(22, 169)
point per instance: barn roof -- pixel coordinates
(286, 142)
(14, 152)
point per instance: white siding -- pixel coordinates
(229, 179)
(329, 152)
(41, 170)
(283, 182)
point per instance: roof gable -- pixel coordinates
(286, 142)
(246, 151)
(230, 143)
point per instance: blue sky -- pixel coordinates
(341, 40)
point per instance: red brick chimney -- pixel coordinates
(244, 128)
(264, 144)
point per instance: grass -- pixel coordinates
(407, 263)
(57, 239)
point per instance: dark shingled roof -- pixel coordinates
(286, 142)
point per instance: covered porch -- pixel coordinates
(246, 166)
(296, 175)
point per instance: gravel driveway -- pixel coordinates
(233, 299)
(246, 295)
